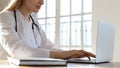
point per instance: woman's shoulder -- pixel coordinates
(5, 13)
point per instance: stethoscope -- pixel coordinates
(33, 24)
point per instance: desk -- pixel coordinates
(104, 65)
(3, 64)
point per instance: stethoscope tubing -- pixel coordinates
(33, 23)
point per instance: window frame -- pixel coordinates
(57, 25)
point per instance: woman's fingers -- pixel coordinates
(75, 54)
(89, 54)
(82, 53)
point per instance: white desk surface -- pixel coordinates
(4, 64)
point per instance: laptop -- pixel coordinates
(105, 44)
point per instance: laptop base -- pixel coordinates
(84, 61)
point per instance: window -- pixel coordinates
(67, 23)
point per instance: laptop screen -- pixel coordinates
(105, 41)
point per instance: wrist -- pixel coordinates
(55, 54)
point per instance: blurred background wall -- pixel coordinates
(3, 4)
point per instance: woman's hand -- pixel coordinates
(71, 54)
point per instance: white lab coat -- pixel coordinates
(21, 43)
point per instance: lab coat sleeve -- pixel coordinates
(11, 42)
(46, 43)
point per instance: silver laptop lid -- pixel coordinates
(105, 42)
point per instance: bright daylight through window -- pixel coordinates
(67, 23)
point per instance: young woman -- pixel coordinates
(22, 36)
